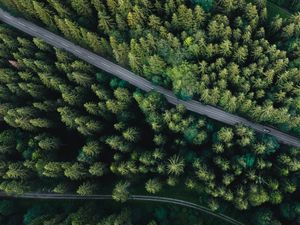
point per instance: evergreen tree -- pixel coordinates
(75, 171)
(120, 192)
(153, 186)
(44, 14)
(175, 165)
(86, 189)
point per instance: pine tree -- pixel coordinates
(42, 123)
(44, 14)
(98, 45)
(86, 188)
(175, 165)
(20, 117)
(68, 116)
(225, 135)
(48, 142)
(83, 79)
(241, 54)
(120, 192)
(131, 134)
(61, 188)
(92, 148)
(97, 169)
(73, 95)
(82, 7)
(76, 171)
(153, 186)
(61, 9)
(88, 126)
(17, 171)
(105, 23)
(53, 169)
(14, 187)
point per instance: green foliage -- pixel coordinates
(185, 83)
(86, 189)
(175, 165)
(68, 127)
(75, 171)
(97, 169)
(14, 187)
(153, 186)
(120, 192)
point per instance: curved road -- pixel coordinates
(118, 71)
(132, 197)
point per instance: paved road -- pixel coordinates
(103, 64)
(132, 197)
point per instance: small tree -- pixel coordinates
(225, 135)
(120, 192)
(153, 186)
(15, 187)
(131, 134)
(76, 171)
(86, 188)
(97, 169)
(53, 169)
(61, 188)
(91, 148)
(175, 165)
(49, 143)
(213, 205)
(17, 171)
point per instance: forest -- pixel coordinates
(225, 54)
(67, 127)
(15, 212)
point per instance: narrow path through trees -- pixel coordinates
(132, 198)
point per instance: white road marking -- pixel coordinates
(21, 23)
(106, 64)
(51, 38)
(64, 44)
(31, 28)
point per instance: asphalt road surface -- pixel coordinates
(132, 197)
(120, 72)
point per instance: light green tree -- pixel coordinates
(175, 165)
(97, 169)
(120, 192)
(153, 186)
(86, 188)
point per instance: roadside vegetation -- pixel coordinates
(31, 212)
(67, 127)
(70, 128)
(225, 54)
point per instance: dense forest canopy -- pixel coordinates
(67, 127)
(222, 53)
